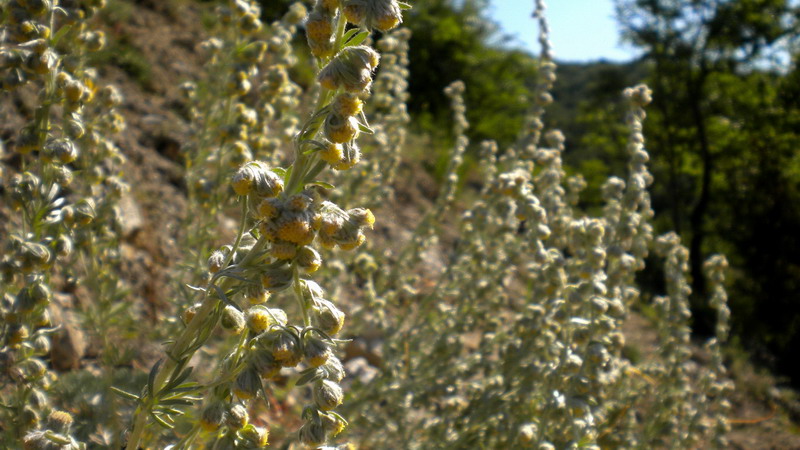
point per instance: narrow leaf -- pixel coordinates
(321, 184)
(151, 378)
(161, 421)
(357, 39)
(124, 394)
(349, 34)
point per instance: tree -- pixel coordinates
(714, 121)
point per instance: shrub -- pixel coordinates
(497, 324)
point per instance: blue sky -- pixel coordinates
(581, 30)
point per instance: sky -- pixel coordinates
(580, 30)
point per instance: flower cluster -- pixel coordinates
(67, 227)
(520, 336)
(284, 215)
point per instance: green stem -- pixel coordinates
(301, 164)
(181, 345)
(298, 292)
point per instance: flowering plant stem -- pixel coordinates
(304, 169)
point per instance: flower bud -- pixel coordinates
(260, 318)
(16, 333)
(319, 26)
(59, 421)
(312, 434)
(340, 129)
(247, 384)
(276, 279)
(316, 351)
(236, 418)
(212, 416)
(332, 153)
(250, 23)
(283, 250)
(351, 156)
(350, 69)
(297, 11)
(257, 436)
(329, 318)
(284, 346)
(215, 261)
(332, 424)
(190, 312)
(40, 293)
(61, 149)
(362, 217)
(84, 211)
(327, 395)
(309, 259)
(256, 177)
(256, 295)
(269, 208)
(381, 14)
(264, 363)
(296, 230)
(63, 246)
(347, 105)
(232, 320)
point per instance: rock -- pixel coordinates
(131, 220)
(360, 369)
(68, 344)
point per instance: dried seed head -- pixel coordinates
(190, 312)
